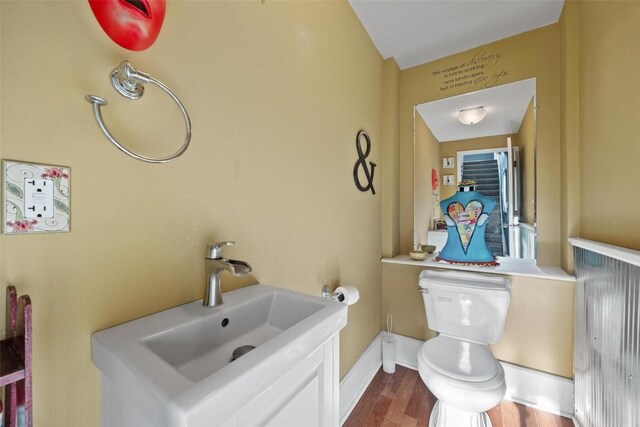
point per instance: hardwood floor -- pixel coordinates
(402, 399)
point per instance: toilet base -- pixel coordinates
(446, 416)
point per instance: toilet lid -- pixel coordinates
(459, 359)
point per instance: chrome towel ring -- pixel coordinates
(129, 82)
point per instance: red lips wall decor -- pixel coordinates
(132, 24)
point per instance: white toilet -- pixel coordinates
(468, 311)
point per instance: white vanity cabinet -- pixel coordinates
(305, 396)
(173, 368)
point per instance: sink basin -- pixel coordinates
(175, 366)
(198, 348)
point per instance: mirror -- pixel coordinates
(446, 151)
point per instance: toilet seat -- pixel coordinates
(458, 359)
(473, 390)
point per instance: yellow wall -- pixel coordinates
(598, 69)
(526, 140)
(390, 158)
(609, 126)
(569, 128)
(276, 94)
(427, 157)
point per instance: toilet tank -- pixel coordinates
(466, 305)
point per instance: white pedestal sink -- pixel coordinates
(174, 369)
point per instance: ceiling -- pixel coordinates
(505, 105)
(418, 31)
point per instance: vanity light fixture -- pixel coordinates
(472, 115)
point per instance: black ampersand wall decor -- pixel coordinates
(362, 162)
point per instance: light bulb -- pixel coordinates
(471, 116)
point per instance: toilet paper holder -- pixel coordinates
(347, 295)
(327, 294)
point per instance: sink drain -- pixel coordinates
(241, 351)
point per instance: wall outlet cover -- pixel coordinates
(447, 162)
(447, 179)
(36, 198)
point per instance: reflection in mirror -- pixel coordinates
(448, 150)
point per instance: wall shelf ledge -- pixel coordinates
(508, 266)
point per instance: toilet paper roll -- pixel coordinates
(347, 294)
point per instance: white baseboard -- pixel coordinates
(540, 390)
(407, 351)
(356, 381)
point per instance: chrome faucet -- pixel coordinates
(216, 264)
